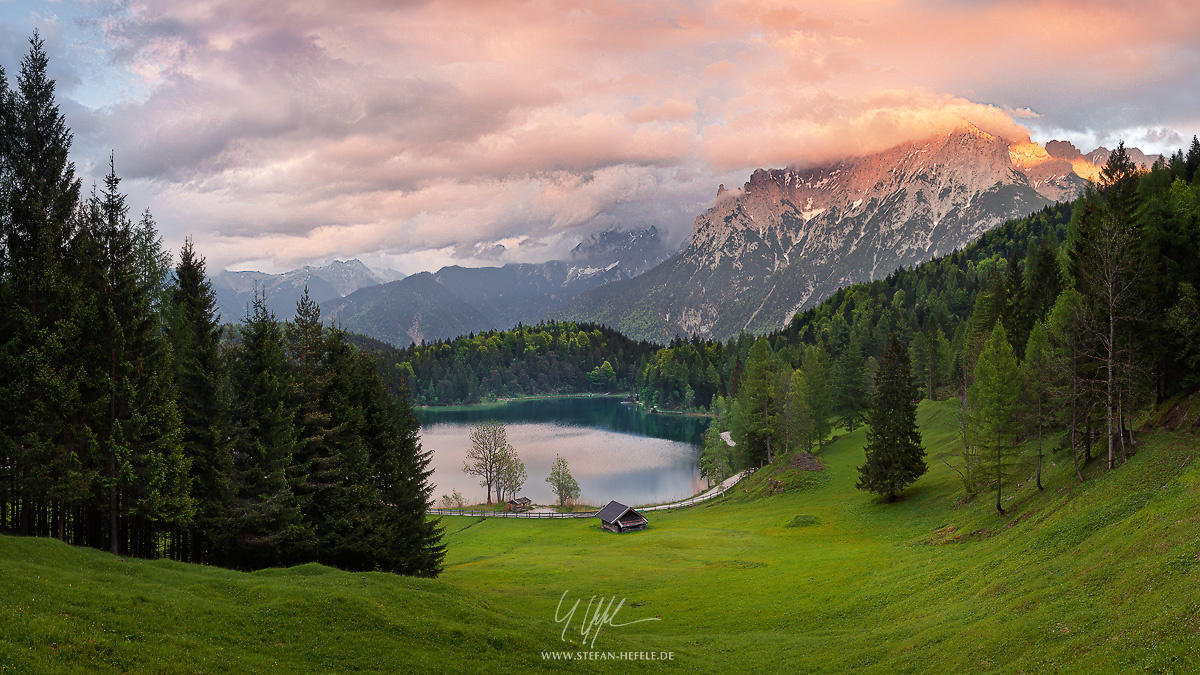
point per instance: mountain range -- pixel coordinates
(457, 300)
(791, 237)
(235, 289)
(784, 241)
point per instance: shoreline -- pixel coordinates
(516, 399)
(507, 400)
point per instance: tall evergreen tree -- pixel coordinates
(1106, 272)
(40, 369)
(1017, 321)
(799, 426)
(996, 392)
(851, 390)
(135, 421)
(755, 409)
(268, 526)
(895, 454)
(1043, 283)
(1070, 388)
(201, 380)
(315, 470)
(1037, 379)
(817, 394)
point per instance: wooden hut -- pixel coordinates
(519, 504)
(616, 517)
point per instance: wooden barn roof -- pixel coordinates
(613, 512)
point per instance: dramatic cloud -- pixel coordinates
(427, 132)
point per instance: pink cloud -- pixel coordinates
(352, 127)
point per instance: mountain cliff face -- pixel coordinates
(235, 290)
(791, 237)
(457, 300)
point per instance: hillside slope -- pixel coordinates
(1093, 577)
(411, 310)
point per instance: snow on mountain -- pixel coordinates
(235, 289)
(791, 237)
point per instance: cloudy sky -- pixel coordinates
(418, 133)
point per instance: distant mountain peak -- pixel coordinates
(457, 299)
(792, 236)
(235, 289)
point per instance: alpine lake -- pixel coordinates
(615, 450)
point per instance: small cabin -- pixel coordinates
(616, 517)
(519, 504)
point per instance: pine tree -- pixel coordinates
(1070, 375)
(201, 380)
(1192, 161)
(153, 263)
(1044, 283)
(1106, 272)
(996, 393)
(409, 541)
(988, 308)
(755, 409)
(817, 394)
(315, 471)
(41, 372)
(1014, 314)
(850, 384)
(268, 527)
(799, 428)
(895, 454)
(135, 420)
(1036, 376)
(347, 510)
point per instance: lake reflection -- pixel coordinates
(615, 451)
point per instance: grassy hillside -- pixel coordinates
(803, 573)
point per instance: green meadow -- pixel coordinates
(793, 571)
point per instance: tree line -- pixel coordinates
(133, 423)
(548, 358)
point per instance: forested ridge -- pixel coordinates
(133, 423)
(1069, 322)
(547, 358)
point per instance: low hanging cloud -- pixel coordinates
(430, 131)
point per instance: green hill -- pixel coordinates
(794, 571)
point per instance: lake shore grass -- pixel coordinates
(783, 574)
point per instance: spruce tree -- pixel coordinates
(1037, 378)
(201, 380)
(1043, 284)
(996, 393)
(135, 421)
(412, 542)
(895, 454)
(346, 507)
(851, 388)
(755, 409)
(41, 372)
(799, 428)
(817, 394)
(268, 527)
